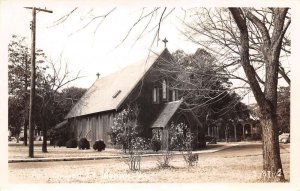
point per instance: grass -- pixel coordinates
(211, 168)
(18, 151)
(215, 170)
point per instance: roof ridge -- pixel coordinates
(99, 95)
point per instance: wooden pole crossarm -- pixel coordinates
(39, 9)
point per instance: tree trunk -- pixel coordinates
(235, 138)
(226, 133)
(45, 137)
(25, 132)
(267, 100)
(271, 150)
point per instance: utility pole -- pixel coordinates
(32, 89)
(25, 101)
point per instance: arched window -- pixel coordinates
(173, 95)
(164, 89)
(155, 95)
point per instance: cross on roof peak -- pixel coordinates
(98, 75)
(165, 41)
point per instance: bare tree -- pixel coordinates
(267, 100)
(252, 39)
(49, 95)
(215, 29)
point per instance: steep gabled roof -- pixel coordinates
(109, 92)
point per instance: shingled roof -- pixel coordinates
(166, 114)
(109, 92)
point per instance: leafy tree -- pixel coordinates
(51, 77)
(19, 75)
(66, 99)
(207, 89)
(15, 115)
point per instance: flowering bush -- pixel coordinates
(136, 148)
(180, 137)
(124, 128)
(124, 132)
(138, 145)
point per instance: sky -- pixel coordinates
(89, 51)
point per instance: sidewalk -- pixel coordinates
(117, 156)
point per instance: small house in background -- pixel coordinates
(148, 84)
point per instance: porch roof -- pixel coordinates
(166, 114)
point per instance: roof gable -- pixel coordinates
(109, 92)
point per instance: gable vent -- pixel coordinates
(116, 94)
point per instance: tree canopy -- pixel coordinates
(52, 100)
(207, 89)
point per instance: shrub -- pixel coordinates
(190, 158)
(72, 143)
(164, 161)
(56, 134)
(155, 144)
(60, 142)
(137, 147)
(83, 144)
(99, 145)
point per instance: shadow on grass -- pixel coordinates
(212, 146)
(156, 169)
